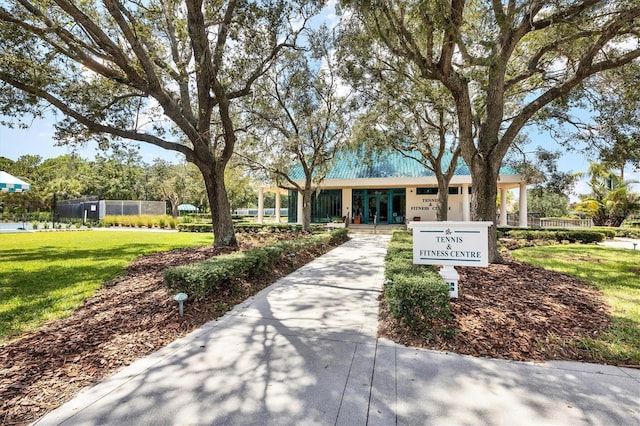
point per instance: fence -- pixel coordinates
(98, 209)
(535, 221)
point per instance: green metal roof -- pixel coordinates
(391, 164)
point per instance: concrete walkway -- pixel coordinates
(304, 352)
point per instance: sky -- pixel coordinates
(38, 140)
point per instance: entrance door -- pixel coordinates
(378, 208)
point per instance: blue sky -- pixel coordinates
(38, 140)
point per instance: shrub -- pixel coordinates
(585, 236)
(253, 228)
(162, 222)
(200, 279)
(415, 294)
(417, 300)
(609, 232)
(34, 225)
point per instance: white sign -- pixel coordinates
(451, 243)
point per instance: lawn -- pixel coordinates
(616, 273)
(46, 275)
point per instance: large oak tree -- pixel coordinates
(502, 61)
(164, 72)
(300, 120)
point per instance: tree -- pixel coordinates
(117, 175)
(611, 200)
(414, 118)
(300, 120)
(552, 187)
(502, 62)
(170, 181)
(614, 136)
(162, 72)
(240, 187)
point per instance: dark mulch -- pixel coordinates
(512, 311)
(130, 317)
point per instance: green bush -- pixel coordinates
(606, 230)
(416, 300)
(415, 294)
(585, 236)
(252, 228)
(200, 279)
(627, 232)
(194, 227)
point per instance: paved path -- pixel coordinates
(304, 352)
(628, 243)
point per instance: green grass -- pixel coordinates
(44, 276)
(616, 273)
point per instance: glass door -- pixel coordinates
(374, 209)
(378, 208)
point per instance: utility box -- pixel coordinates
(451, 277)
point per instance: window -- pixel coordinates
(453, 190)
(326, 205)
(427, 191)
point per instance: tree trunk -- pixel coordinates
(174, 208)
(306, 209)
(484, 176)
(223, 233)
(443, 200)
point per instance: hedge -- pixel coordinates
(553, 234)
(251, 227)
(417, 300)
(415, 294)
(201, 278)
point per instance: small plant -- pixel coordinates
(149, 222)
(173, 223)
(78, 225)
(34, 225)
(46, 225)
(162, 222)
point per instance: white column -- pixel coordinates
(277, 206)
(523, 205)
(503, 207)
(260, 205)
(466, 209)
(300, 212)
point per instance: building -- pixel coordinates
(391, 188)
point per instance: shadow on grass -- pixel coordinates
(30, 297)
(55, 281)
(54, 254)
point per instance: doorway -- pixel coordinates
(378, 207)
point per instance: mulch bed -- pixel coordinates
(512, 311)
(128, 318)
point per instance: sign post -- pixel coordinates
(450, 244)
